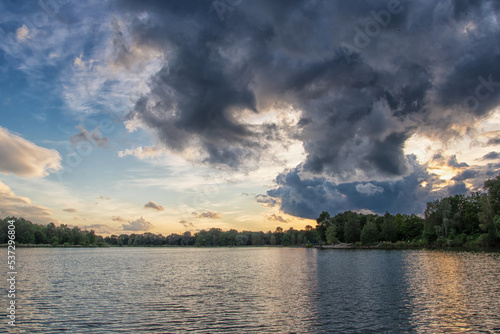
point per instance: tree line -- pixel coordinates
(460, 220)
(30, 233)
(218, 237)
(33, 234)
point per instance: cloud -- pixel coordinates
(357, 108)
(214, 83)
(186, 224)
(137, 225)
(494, 141)
(265, 200)
(118, 219)
(153, 205)
(306, 197)
(70, 210)
(276, 218)
(465, 175)
(17, 206)
(491, 156)
(141, 152)
(23, 158)
(22, 32)
(369, 189)
(100, 228)
(94, 137)
(211, 215)
(452, 162)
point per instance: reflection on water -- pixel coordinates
(454, 291)
(235, 290)
(362, 291)
(167, 290)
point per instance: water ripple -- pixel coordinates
(261, 290)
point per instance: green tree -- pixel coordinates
(389, 232)
(493, 188)
(433, 221)
(496, 223)
(331, 235)
(39, 237)
(187, 239)
(352, 228)
(309, 234)
(54, 241)
(91, 238)
(241, 240)
(28, 237)
(451, 215)
(256, 239)
(412, 227)
(469, 210)
(369, 233)
(323, 222)
(487, 219)
(76, 236)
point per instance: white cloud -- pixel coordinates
(141, 152)
(100, 228)
(22, 33)
(137, 225)
(114, 75)
(23, 158)
(13, 205)
(369, 189)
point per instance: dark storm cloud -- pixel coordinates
(305, 197)
(476, 175)
(465, 175)
(453, 162)
(439, 159)
(462, 9)
(494, 141)
(365, 75)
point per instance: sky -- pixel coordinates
(170, 116)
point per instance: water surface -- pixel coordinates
(261, 290)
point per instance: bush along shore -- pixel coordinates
(471, 221)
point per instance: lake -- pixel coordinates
(260, 290)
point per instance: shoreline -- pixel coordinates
(339, 246)
(410, 246)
